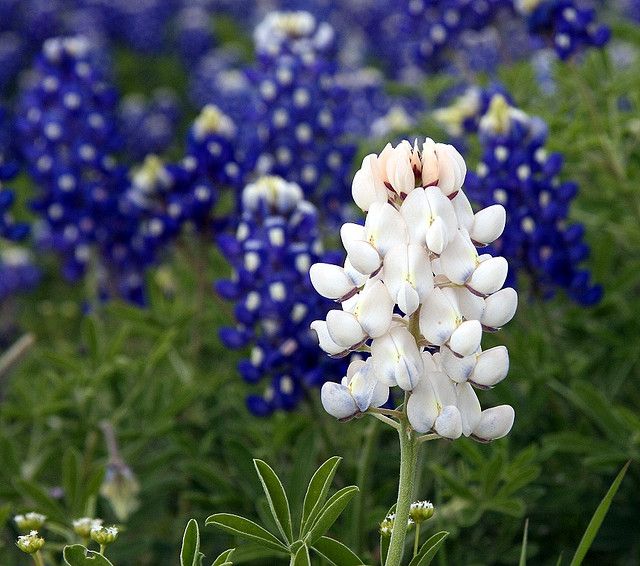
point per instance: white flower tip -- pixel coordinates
(337, 400)
(449, 423)
(495, 423)
(491, 368)
(465, 340)
(488, 224)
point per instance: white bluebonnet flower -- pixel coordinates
(276, 241)
(417, 295)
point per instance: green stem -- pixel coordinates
(103, 547)
(37, 558)
(416, 541)
(408, 457)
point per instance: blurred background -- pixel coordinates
(154, 323)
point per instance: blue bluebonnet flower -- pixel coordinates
(195, 35)
(11, 57)
(569, 26)
(149, 126)
(275, 243)
(298, 122)
(518, 172)
(18, 272)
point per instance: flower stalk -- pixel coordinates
(408, 460)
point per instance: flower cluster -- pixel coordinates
(301, 110)
(517, 172)
(31, 543)
(416, 293)
(148, 126)
(275, 243)
(570, 26)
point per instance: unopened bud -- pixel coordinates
(421, 511)
(30, 521)
(85, 525)
(104, 535)
(31, 543)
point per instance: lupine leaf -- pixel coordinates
(429, 549)
(336, 552)
(224, 559)
(246, 528)
(523, 551)
(598, 517)
(332, 509)
(277, 498)
(302, 557)
(190, 553)
(78, 555)
(317, 492)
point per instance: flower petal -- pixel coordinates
(325, 341)
(337, 400)
(489, 276)
(488, 224)
(499, 308)
(494, 423)
(374, 309)
(331, 281)
(344, 328)
(491, 367)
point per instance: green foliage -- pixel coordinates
(428, 550)
(78, 555)
(314, 524)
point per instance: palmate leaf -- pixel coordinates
(277, 498)
(598, 518)
(301, 558)
(336, 552)
(317, 492)
(331, 510)
(429, 549)
(224, 559)
(190, 554)
(236, 525)
(78, 555)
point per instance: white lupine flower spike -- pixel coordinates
(416, 295)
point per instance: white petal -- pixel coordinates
(463, 210)
(449, 423)
(441, 207)
(337, 400)
(488, 224)
(385, 227)
(397, 359)
(407, 265)
(374, 309)
(489, 276)
(363, 256)
(429, 163)
(438, 317)
(437, 236)
(465, 340)
(471, 306)
(495, 423)
(492, 367)
(399, 169)
(460, 259)
(458, 369)
(326, 343)
(368, 185)
(469, 408)
(354, 367)
(408, 299)
(380, 395)
(500, 308)
(350, 232)
(362, 385)
(444, 388)
(331, 281)
(422, 407)
(416, 212)
(344, 328)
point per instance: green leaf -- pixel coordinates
(523, 551)
(336, 552)
(317, 492)
(429, 549)
(190, 554)
(598, 517)
(71, 472)
(224, 559)
(301, 557)
(90, 336)
(245, 528)
(78, 555)
(332, 509)
(277, 498)
(42, 500)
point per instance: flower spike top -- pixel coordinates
(416, 293)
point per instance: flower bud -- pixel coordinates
(83, 526)
(489, 276)
(491, 367)
(465, 340)
(31, 543)
(499, 308)
(104, 535)
(421, 511)
(331, 281)
(30, 521)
